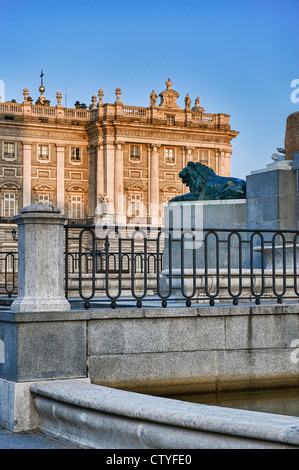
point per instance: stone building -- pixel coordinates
(127, 155)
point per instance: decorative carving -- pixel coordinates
(118, 93)
(153, 98)
(205, 185)
(26, 94)
(168, 84)
(100, 95)
(187, 102)
(103, 198)
(58, 97)
(93, 102)
(169, 97)
(197, 108)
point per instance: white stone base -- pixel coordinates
(40, 305)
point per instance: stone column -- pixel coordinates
(109, 151)
(60, 177)
(26, 175)
(40, 260)
(221, 163)
(100, 171)
(119, 184)
(154, 186)
(149, 147)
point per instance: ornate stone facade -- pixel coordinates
(129, 155)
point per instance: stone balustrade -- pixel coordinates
(95, 114)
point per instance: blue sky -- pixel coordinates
(239, 56)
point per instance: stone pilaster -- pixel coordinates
(154, 185)
(119, 184)
(60, 177)
(26, 175)
(109, 159)
(100, 170)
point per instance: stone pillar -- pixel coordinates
(154, 186)
(26, 175)
(100, 171)
(40, 260)
(109, 151)
(60, 177)
(119, 184)
(221, 163)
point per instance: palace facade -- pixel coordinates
(127, 156)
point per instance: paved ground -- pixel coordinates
(30, 440)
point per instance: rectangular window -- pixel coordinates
(170, 120)
(134, 152)
(43, 199)
(136, 205)
(43, 152)
(75, 154)
(169, 155)
(9, 205)
(9, 150)
(76, 211)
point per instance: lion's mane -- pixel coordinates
(196, 175)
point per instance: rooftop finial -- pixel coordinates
(168, 84)
(42, 99)
(42, 88)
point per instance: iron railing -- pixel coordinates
(146, 264)
(8, 273)
(136, 266)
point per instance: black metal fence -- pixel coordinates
(145, 264)
(8, 273)
(136, 266)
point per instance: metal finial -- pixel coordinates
(42, 88)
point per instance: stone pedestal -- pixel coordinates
(40, 260)
(202, 215)
(271, 201)
(40, 338)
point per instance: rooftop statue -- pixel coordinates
(205, 185)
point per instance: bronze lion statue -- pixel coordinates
(205, 185)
